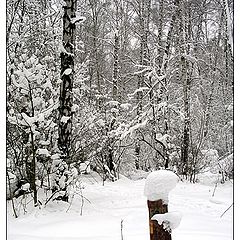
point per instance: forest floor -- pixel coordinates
(123, 200)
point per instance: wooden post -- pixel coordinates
(156, 231)
(157, 187)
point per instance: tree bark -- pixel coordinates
(115, 67)
(66, 98)
(162, 61)
(185, 77)
(144, 12)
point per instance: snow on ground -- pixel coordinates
(124, 200)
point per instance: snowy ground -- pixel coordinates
(124, 200)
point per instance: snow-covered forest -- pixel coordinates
(101, 93)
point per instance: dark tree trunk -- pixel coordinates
(115, 67)
(33, 171)
(137, 153)
(66, 98)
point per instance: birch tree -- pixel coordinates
(67, 71)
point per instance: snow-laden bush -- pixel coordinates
(209, 159)
(226, 166)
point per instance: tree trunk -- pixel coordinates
(67, 65)
(185, 78)
(144, 12)
(186, 128)
(162, 61)
(115, 67)
(33, 171)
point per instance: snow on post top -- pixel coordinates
(158, 184)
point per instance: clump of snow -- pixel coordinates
(158, 185)
(74, 172)
(170, 220)
(114, 110)
(125, 106)
(11, 176)
(44, 143)
(85, 167)
(74, 108)
(25, 187)
(43, 151)
(38, 183)
(62, 49)
(164, 139)
(141, 89)
(145, 69)
(11, 111)
(112, 103)
(55, 156)
(67, 71)
(62, 182)
(101, 122)
(29, 120)
(64, 119)
(230, 107)
(137, 126)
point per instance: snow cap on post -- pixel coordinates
(170, 220)
(158, 185)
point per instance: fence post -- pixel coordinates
(158, 185)
(156, 231)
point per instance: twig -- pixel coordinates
(84, 197)
(51, 197)
(226, 210)
(121, 229)
(70, 204)
(82, 202)
(215, 187)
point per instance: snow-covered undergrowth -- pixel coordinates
(124, 200)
